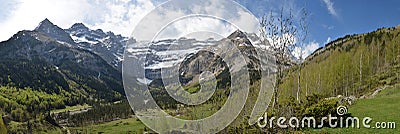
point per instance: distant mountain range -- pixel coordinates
(78, 58)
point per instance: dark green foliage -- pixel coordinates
(107, 88)
(100, 113)
(322, 108)
(35, 74)
(32, 59)
(3, 128)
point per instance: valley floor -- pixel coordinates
(383, 107)
(122, 126)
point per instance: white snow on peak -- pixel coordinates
(83, 39)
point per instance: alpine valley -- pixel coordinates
(55, 80)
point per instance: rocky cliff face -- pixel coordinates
(48, 59)
(50, 30)
(215, 58)
(107, 45)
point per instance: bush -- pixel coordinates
(19, 115)
(322, 108)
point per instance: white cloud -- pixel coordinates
(306, 50)
(176, 16)
(331, 9)
(121, 16)
(28, 14)
(328, 40)
(188, 26)
(118, 16)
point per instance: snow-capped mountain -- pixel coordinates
(159, 54)
(107, 45)
(47, 58)
(166, 54)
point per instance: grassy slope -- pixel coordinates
(337, 68)
(383, 108)
(123, 126)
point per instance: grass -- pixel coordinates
(38, 127)
(71, 108)
(123, 126)
(384, 107)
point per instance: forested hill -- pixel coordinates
(352, 65)
(37, 60)
(42, 70)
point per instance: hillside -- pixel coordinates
(44, 69)
(352, 65)
(355, 65)
(382, 112)
(46, 59)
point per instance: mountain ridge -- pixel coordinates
(76, 66)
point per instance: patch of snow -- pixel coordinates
(144, 80)
(178, 52)
(105, 39)
(164, 64)
(82, 40)
(139, 50)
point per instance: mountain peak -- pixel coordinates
(240, 38)
(237, 34)
(44, 23)
(47, 21)
(79, 26)
(48, 28)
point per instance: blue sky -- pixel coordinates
(352, 17)
(328, 20)
(332, 19)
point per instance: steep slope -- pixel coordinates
(108, 46)
(46, 59)
(49, 29)
(208, 60)
(352, 65)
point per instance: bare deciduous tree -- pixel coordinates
(303, 36)
(279, 34)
